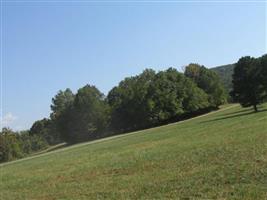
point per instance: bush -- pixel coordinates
(14, 145)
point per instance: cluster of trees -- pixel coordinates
(15, 145)
(146, 100)
(250, 81)
(47, 130)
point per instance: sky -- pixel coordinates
(50, 46)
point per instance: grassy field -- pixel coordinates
(222, 155)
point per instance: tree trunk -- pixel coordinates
(255, 107)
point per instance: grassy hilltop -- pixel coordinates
(222, 155)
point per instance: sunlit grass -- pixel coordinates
(219, 156)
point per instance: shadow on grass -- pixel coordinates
(60, 146)
(235, 114)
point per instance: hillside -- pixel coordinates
(225, 73)
(221, 155)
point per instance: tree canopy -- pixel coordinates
(249, 81)
(85, 117)
(15, 145)
(153, 98)
(208, 81)
(145, 100)
(142, 101)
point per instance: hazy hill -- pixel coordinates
(225, 72)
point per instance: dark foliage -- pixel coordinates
(82, 118)
(14, 145)
(249, 81)
(146, 100)
(46, 128)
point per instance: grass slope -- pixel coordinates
(222, 155)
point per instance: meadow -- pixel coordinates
(222, 155)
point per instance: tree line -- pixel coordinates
(146, 100)
(138, 102)
(14, 145)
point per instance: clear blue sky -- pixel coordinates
(53, 46)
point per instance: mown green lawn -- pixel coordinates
(219, 156)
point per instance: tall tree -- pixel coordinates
(61, 102)
(61, 107)
(263, 74)
(208, 81)
(172, 94)
(248, 87)
(88, 116)
(167, 93)
(46, 128)
(130, 108)
(9, 145)
(195, 98)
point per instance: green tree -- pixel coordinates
(208, 81)
(14, 145)
(166, 94)
(46, 128)
(130, 108)
(87, 118)
(62, 101)
(172, 95)
(26, 142)
(263, 73)
(38, 143)
(248, 87)
(195, 99)
(149, 99)
(9, 145)
(61, 108)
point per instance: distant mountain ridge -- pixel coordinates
(225, 73)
